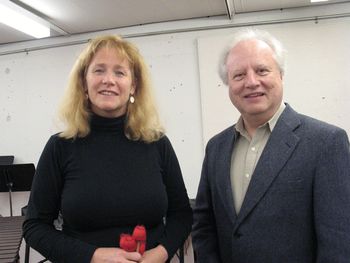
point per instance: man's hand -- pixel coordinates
(155, 255)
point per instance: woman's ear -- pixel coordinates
(86, 93)
(133, 85)
(133, 89)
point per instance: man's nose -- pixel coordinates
(252, 80)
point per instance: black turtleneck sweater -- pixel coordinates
(104, 184)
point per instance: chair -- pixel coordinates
(15, 178)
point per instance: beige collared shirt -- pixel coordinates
(246, 154)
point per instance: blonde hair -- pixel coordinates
(142, 119)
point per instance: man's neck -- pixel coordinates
(252, 124)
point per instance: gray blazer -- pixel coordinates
(297, 207)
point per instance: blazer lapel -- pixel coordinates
(278, 149)
(223, 180)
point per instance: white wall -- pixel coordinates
(32, 83)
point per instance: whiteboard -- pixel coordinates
(316, 82)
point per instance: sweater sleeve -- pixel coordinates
(43, 208)
(179, 214)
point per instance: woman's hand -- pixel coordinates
(114, 255)
(155, 255)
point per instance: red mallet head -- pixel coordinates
(139, 233)
(127, 243)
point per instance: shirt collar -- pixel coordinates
(239, 127)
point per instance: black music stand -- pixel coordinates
(15, 178)
(6, 159)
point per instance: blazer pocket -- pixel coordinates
(295, 185)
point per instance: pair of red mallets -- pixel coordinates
(135, 242)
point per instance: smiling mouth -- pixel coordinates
(254, 95)
(108, 93)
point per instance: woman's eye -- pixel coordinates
(119, 73)
(98, 70)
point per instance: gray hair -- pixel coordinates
(247, 34)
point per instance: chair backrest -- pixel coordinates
(16, 177)
(6, 159)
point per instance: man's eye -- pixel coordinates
(263, 71)
(238, 76)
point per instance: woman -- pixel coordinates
(112, 168)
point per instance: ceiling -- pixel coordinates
(71, 17)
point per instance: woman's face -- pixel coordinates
(109, 83)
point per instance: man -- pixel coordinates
(275, 187)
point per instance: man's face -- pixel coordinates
(254, 79)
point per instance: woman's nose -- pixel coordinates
(108, 78)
